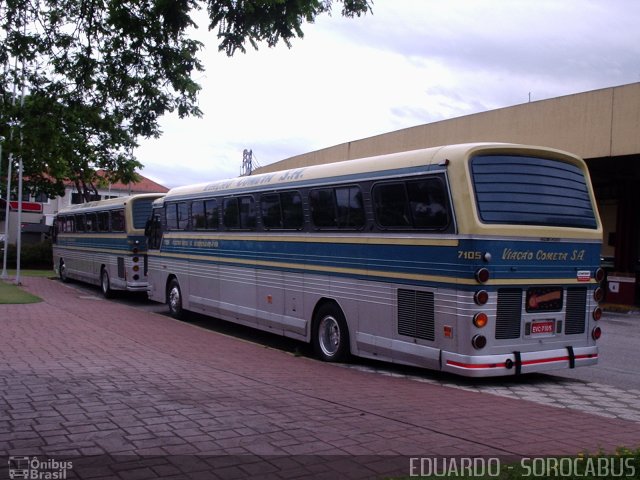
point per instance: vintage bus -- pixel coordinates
(476, 259)
(103, 242)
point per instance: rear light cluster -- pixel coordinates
(480, 319)
(598, 296)
(136, 260)
(481, 297)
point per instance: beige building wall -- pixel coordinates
(600, 123)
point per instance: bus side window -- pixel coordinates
(282, 211)
(211, 213)
(79, 223)
(239, 213)
(103, 221)
(91, 222)
(340, 207)
(183, 215)
(391, 206)
(350, 207)
(428, 204)
(271, 212)
(198, 215)
(117, 221)
(323, 209)
(292, 214)
(204, 214)
(153, 229)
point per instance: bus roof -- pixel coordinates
(423, 160)
(109, 204)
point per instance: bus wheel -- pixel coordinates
(330, 335)
(105, 284)
(174, 299)
(62, 271)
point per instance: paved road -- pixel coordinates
(142, 394)
(619, 364)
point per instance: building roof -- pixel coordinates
(145, 185)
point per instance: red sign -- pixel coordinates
(33, 207)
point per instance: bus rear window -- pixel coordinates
(523, 190)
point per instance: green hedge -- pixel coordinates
(34, 255)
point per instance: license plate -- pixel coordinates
(544, 327)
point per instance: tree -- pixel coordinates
(83, 80)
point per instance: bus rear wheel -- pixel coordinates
(330, 336)
(105, 284)
(174, 299)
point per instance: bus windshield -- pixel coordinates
(531, 191)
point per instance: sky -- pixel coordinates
(408, 63)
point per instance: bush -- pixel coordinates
(34, 255)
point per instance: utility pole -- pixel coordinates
(247, 163)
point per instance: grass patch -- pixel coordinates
(33, 273)
(12, 294)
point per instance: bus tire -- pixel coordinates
(330, 335)
(105, 284)
(174, 299)
(62, 271)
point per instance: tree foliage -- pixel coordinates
(82, 80)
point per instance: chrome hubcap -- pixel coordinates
(329, 335)
(174, 299)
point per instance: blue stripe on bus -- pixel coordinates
(125, 244)
(509, 260)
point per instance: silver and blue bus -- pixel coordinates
(103, 242)
(475, 259)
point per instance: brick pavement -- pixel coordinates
(132, 394)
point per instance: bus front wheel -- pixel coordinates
(174, 299)
(330, 334)
(62, 271)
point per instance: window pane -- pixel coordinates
(271, 214)
(172, 217)
(350, 208)
(141, 211)
(183, 215)
(103, 221)
(390, 205)
(80, 223)
(198, 215)
(211, 209)
(247, 213)
(292, 216)
(91, 223)
(322, 205)
(428, 203)
(231, 214)
(117, 221)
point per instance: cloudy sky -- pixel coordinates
(411, 62)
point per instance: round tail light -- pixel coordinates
(597, 313)
(481, 297)
(596, 333)
(480, 319)
(482, 275)
(478, 342)
(598, 294)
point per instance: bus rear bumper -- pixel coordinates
(518, 362)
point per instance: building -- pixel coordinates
(38, 212)
(602, 126)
